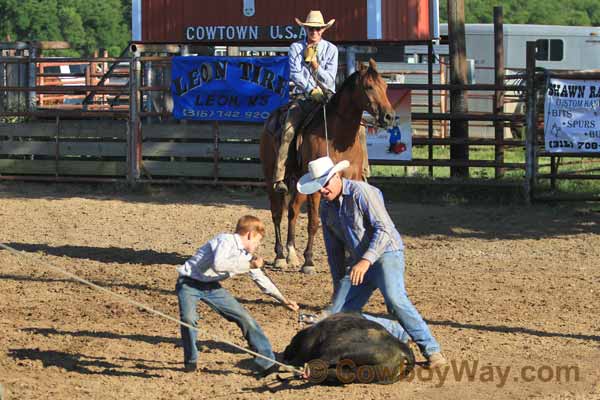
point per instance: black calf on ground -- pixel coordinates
(345, 348)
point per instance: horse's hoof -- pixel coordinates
(292, 260)
(308, 269)
(280, 263)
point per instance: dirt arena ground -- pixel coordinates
(512, 294)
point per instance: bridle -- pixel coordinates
(368, 106)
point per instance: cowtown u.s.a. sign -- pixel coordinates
(243, 33)
(229, 88)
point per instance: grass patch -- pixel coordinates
(511, 155)
(455, 190)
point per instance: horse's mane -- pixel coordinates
(349, 84)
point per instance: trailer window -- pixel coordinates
(53, 69)
(549, 50)
(556, 50)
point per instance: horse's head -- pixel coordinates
(372, 95)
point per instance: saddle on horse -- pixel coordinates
(276, 122)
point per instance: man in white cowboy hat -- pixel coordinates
(311, 59)
(365, 251)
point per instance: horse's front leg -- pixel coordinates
(313, 227)
(277, 201)
(293, 212)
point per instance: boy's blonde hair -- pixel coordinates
(250, 223)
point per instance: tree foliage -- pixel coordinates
(540, 12)
(88, 25)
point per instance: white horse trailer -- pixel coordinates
(559, 48)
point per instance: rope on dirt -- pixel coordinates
(144, 306)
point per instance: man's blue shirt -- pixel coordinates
(357, 225)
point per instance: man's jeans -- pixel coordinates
(387, 275)
(190, 291)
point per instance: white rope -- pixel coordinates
(144, 306)
(318, 83)
(325, 120)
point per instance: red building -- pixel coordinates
(272, 21)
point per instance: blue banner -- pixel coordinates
(229, 88)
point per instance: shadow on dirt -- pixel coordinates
(203, 345)
(29, 278)
(258, 302)
(111, 254)
(515, 329)
(506, 329)
(79, 363)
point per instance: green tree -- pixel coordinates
(73, 31)
(87, 25)
(541, 12)
(104, 25)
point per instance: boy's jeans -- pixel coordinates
(190, 291)
(387, 275)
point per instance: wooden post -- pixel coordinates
(103, 68)
(57, 146)
(531, 124)
(149, 81)
(88, 82)
(430, 102)
(553, 172)
(216, 154)
(459, 129)
(2, 82)
(443, 98)
(499, 94)
(184, 50)
(31, 75)
(134, 137)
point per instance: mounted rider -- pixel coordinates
(311, 59)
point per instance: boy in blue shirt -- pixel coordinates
(226, 255)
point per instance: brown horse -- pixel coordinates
(364, 90)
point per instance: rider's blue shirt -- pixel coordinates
(300, 71)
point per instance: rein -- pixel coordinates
(324, 89)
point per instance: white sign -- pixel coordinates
(390, 144)
(572, 116)
(394, 143)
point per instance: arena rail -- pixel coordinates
(139, 141)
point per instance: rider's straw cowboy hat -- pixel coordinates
(319, 172)
(314, 19)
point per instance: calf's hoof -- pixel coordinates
(280, 263)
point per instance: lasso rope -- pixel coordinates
(324, 89)
(143, 306)
(325, 122)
